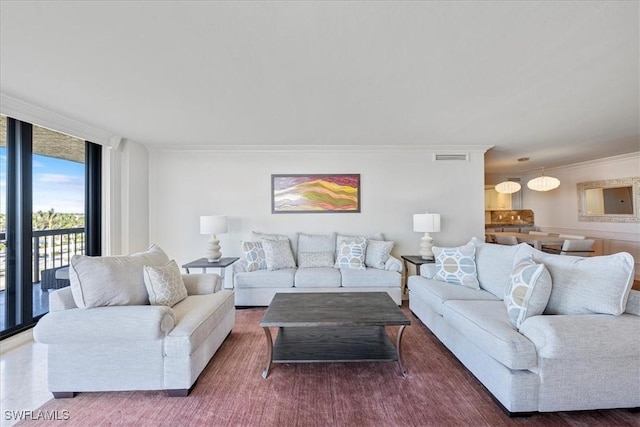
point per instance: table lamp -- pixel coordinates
(213, 224)
(426, 223)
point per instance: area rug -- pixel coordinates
(438, 391)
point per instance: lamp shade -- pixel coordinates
(508, 187)
(426, 222)
(213, 224)
(543, 183)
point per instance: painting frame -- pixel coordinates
(315, 193)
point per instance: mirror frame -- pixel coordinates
(634, 183)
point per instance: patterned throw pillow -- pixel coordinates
(277, 254)
(529, 291)
(351, 254)
(254, 256)
(315, 259)
(378, 252)
(457, 265)
(164, 284)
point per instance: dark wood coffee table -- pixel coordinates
(333, 327)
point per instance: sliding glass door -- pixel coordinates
(44, 186)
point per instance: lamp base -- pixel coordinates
(426, 243)
(212, 252)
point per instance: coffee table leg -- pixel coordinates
(399, 350)
(265, 372)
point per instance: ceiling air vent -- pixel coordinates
(446, 157)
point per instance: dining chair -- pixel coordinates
(580, 247)
(506, 240)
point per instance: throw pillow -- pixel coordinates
(164, 284)
(278, 254)
(351, 254)
(254, 256)
(315, 259)
(599, 284)
(378, 252)
(457, 265)
(529, 291)
(316, 243)
(112, 280)
(341, 238)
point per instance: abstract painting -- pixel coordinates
(315, 193)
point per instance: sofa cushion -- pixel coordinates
(196, 316)
(315, 259)
(378, 252)
(164, 284)
(494, 264)
(486, 324)
(323, 277)
(457, 265)
(265, 279)
(529, 291)
(351, 254)
(254, 258)
(370, 277)
(435, 293)
(599, 284)
(277, 254)
(112, 280)
(316, 243)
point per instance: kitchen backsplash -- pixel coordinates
(523, 216)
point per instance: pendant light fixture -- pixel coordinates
(508, 187)
(543, 183)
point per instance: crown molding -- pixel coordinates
(22, 110)
(440, 149)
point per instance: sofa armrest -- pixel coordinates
(61, 299)
(393, 264)
(583, 336)
(105, 324)
(202, 284)
(240, 266)
(428, 270)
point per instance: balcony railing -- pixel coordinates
(51, 249)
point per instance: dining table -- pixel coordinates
(535, 240)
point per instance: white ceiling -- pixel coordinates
(554, 81)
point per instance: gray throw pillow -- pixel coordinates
(278, 254)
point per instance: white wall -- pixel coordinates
(395, 184)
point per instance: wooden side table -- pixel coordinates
(202, 263)
(416, 260)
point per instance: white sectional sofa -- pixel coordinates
(318, 263)
(575, 347)
(103, 334)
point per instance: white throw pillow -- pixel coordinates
(599, 284)
(529, 291)
(378, 252)
(315, 259)
(254, 256)
(351, 254)
(278, 254)
(164, 284)
(112, 280)
(457, 265)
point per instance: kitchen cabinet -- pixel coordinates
(494, 201)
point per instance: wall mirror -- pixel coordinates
(613, 200)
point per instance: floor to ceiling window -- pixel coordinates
(48, 182)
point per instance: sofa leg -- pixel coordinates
(63, 394)
(181, 392)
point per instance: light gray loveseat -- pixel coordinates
(582, 353)
(132, 345)
(312, 267)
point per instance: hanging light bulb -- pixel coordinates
(543, 183)
(508, 187)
